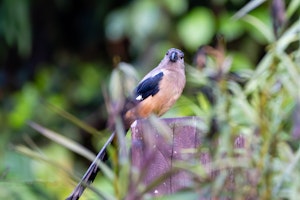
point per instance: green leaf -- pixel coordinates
(177, 8)
(26, 102)
(229, 27)
(204, 103)
(196, 28)
(240, 61)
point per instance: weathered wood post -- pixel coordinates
(154, 155)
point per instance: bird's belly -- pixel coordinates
(166, 103)
(169, 91)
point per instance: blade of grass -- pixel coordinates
(287, 172)
(32, 144)
(73, 146)
(289, 36)
(73, 119)
(37, 156)
(292, 7)
(262, 71)
(260, 26)
(291, 68)
(247, 8)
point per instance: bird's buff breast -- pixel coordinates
(170, 90)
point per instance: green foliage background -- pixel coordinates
(56, 58)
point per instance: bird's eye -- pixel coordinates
(167, 53)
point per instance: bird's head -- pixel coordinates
(175, 55)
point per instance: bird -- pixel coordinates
(155, 94)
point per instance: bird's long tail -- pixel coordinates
(92, 171)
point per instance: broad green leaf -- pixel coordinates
(196, 28)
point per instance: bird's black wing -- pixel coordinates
(148, 87)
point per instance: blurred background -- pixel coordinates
(62, 53)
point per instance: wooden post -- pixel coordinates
(154, 155)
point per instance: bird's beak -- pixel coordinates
(173, 56)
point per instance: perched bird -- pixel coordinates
(155, 94)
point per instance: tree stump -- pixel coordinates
(154, 153)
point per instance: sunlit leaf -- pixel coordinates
(196, 28)
(204, 103)
(230, 28)
(177, 8)
(25, 102)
